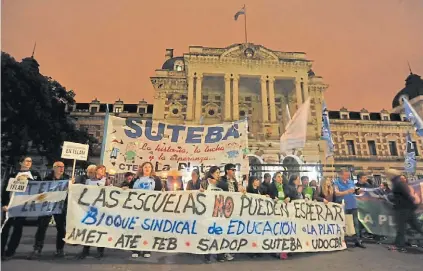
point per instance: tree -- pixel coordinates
(33, 112)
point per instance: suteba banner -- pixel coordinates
(200, 223)
(131, 142)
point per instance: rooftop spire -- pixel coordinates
(409, 67)
(33, 50)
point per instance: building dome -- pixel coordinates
(174, 64)
(413, 88)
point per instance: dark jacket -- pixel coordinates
(364, 185)
(82, 179)
(251, 190)
(291, 192)
(158, 186)
(320, 196)
(223, 184)
(273, 190)
(265, 188)
(192, 186)
(5, 195)
(401, 196)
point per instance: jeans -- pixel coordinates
(17, 223)
(40, 235)
(402, 218)
(357, 229)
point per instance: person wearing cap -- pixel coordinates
(229, 183)
(404, 208)
(57, 174)
(345, 190)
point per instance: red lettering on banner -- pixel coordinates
(215, 149)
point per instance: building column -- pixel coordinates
(264, 106)
(190, 98)
(298, 92)
(305, 90)
(235, 98)
(272, 99)
(198, 97)
(227, 97)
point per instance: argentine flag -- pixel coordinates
(39, 199)
(240, 12)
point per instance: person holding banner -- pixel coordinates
(294, 189)
(15, 222)
(194, 183)
(327, 193)
(277, 188)
(99, 180)
(57, 174)
(146, 180)
(345, 190)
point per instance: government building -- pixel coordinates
(214, 85)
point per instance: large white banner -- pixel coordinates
(200, 223)
(131, 142)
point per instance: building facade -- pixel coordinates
(214, 85)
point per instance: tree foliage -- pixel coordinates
(33, 115)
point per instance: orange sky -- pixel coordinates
(108, 48)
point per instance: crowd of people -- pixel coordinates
(279, 187)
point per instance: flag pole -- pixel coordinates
(245, 24)
(105, 127)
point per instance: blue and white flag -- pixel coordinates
(39, 199)
(410, 156)
(240, 12)
(326, 132)
(413, 117)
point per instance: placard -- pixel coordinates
(18, 184)
(200, 223)
(75, 151)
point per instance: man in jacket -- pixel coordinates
(16, 222)
(57, 174)
(404, 207)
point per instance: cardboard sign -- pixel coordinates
(75, 151)
(17, 184)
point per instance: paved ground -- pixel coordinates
(375, 257)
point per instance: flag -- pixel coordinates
(240, 12)
(326, 132)
(105, 126)
(413, 117)
(410, 156)
(296, 130)
(39, 199)
(287, 112)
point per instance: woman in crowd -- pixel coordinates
(277, 188)
(146, 179)
(17, 223)
(210, 184)
(90, 174)
(384, 187)
(195, 182)
(291, 190)
(100, 179)
(326, 193)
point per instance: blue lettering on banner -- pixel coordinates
(170, 226)
(322, 229)
(213, 134)
(92, 217)
(238, 227)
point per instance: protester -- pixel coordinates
(345, 191)
(228, 182)
(277, 188)
(404, 208)
(146, 180)
(254, 186)
(326, 193)
(384, 187)
(90, 175)
(194, 183)
(291, 190)
(128, 178)
(307, 191)
(100, 179)
(57, 174)
(210, 183)
(16, 222)
(363, 181)
(265, 185)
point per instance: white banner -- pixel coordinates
(200, 223)
(75, 151)
(131, 142)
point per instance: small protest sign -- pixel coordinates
(17, 184)
(75, 151)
